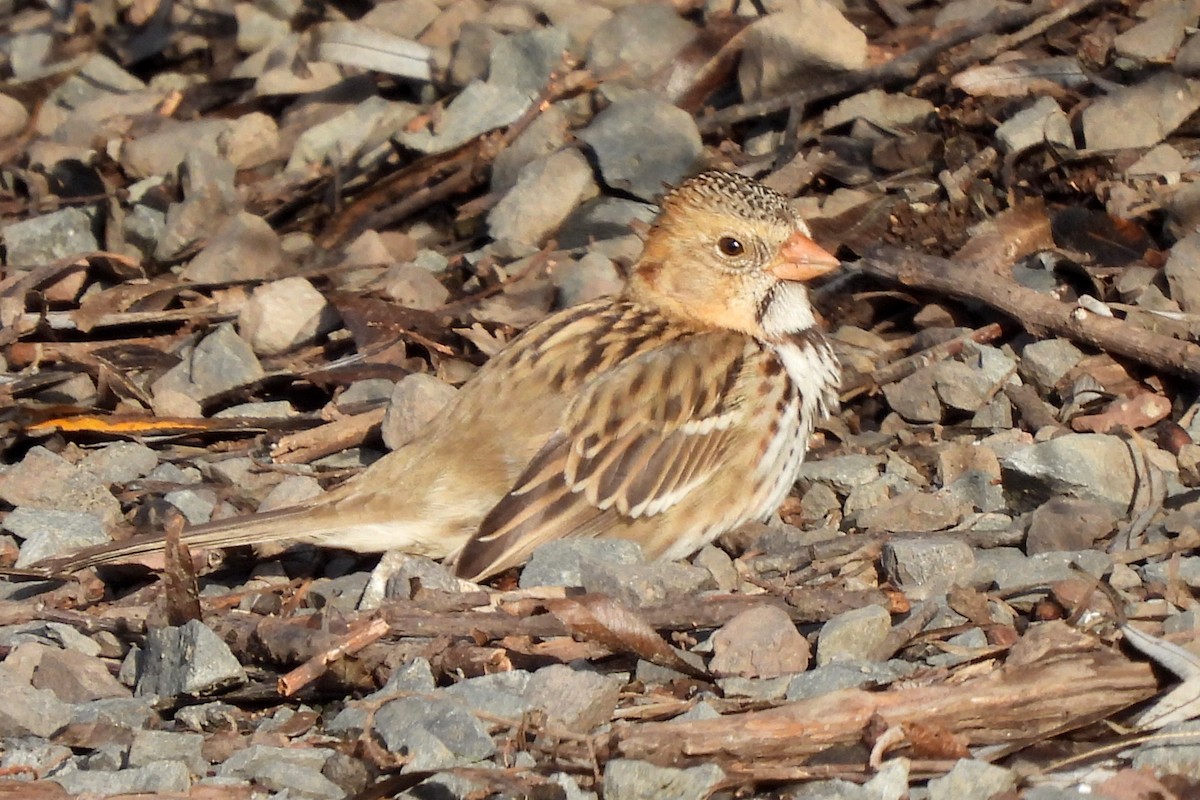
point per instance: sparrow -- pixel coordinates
(668, 414)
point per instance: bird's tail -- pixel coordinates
(293, 523)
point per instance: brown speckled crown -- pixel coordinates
(728, 192)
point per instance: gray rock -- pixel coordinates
(252, 141)
(1046, 362)
(842, 473)
(853, 635)
(369, 391)
(32, 755)
(72, 676)
(472, 53)
(755, 688)
(880, 108)
(161, 151)
(962, 11)
(831, 790)
(627, 779)
(1068, 523)
(1183, 273)
(579, 700)
(961, 387)
(913, 510)
(1163, 161)
(196, 505)
(27, 711)
(48, 532)
(848, 675)
(964, 647)
(1141, 115)
(142, 227)
(49, 237)
(1056, 793)
(1171, 752)
(593, 276)
(933, 562)
(406, 18)
(524, 61)
(1009, 572)
(415, 401)
(783, 46)
(564, 562)
(292, 771)
(479, 108)
(546, 192)
(1087, 465)
(701, 711)
(647, 584)
(13, 116)
(1189, 572)
(605, 218)
(432, 733)
(130, 713)
(120, 462)
(358, 135)
(1187, 59)
(209, 200)
(890, 781)
(643, 144)
(972, 780)
(1157, 38)
(820, 503)
(244, 248)
(344, 593)
(637, 41)
(547, 134)
(502, 694)
(915, 397)
(189, 660)
(163, 777)
(410, 572)
(285, 314)
(1044, 122)
(719, 565)
(414, 287)
(761, 642)
(149, 747)
(45, 480)
(223, 361)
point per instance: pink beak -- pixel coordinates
(802, 259)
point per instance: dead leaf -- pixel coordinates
(1008, 237)
(1025, 76)
(599, 618)
(1130, 413)
(1110, 241)
(1181, 703)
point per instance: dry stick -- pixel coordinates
(1037, 313)
(907, 366)
(899, 70)
(1017, 702)
(315, 667)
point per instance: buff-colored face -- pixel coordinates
(728, 253)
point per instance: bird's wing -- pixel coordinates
(636, 441)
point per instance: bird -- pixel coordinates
(667, 414)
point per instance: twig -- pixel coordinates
(314, 667)
(898, 370)
(1038, 313)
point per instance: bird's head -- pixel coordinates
(727, 252)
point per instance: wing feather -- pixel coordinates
(637, 440)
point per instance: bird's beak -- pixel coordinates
(802, 259)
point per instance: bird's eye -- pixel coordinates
(730, 246)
